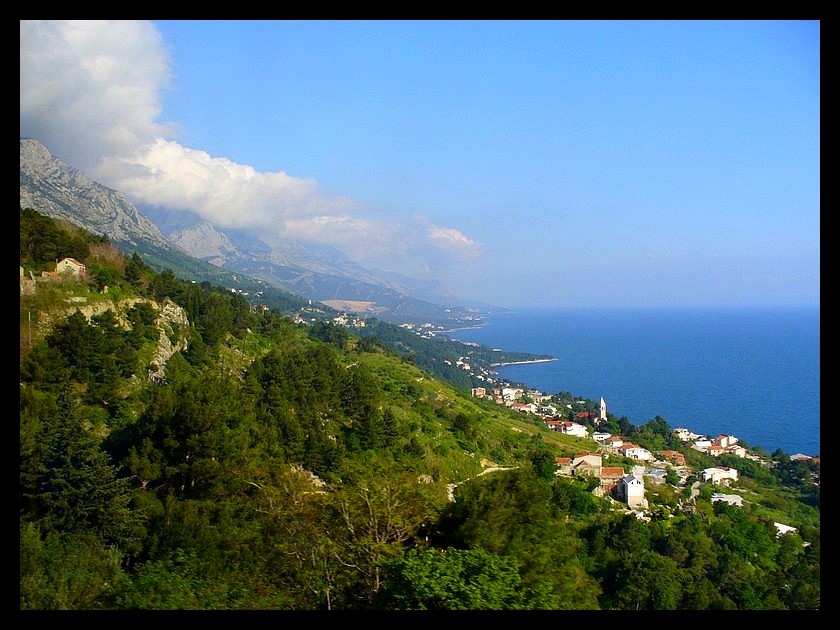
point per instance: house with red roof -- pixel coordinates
(71, 266)
(564, 465)
(675, 457)
(715, 450)
(609, 478)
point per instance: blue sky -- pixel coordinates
(521, 163)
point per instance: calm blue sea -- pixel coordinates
(749, 372)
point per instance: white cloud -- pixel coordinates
(90, 92)
(453, 241)
(223, 192)
(89, 89)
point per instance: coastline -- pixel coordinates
(446, 331)
(756, 333)
(523, 362)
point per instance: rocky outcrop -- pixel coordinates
(174, 336)
(172, 324)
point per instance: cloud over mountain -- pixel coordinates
(91, 92)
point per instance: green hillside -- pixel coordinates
(180, 451)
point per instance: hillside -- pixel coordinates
(180, 451)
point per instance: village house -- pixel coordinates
(726, 440)
(588, 464)
(674, 457)
(735, 449)
(601, 436)
(614, 442)
(701, 445)
(65, 267)
(525, 407)
(630, 489)
(656, 475)
(718, 475)
(564, 465)
(628, 449)
(573, 428)
(684, 435)
(609, 479)
(478, 392)
(782, 529)
(71, 266)
(715, 450)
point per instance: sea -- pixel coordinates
(751, 372)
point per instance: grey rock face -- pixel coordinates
(58, 190)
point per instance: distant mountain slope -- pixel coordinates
(320, 272)
(225, 247)
(197, 250)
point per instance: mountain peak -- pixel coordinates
(58, 190)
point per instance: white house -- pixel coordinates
(631, 490)
(72, 266)
(701, 445)
(726, 440)
(615, 441)
(601, 436)
(718, 475)
(734, 449)
(635, 452)
(684, 434)
(573, 428)
(524, 407)
(715, 450)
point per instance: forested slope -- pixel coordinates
(264, 464)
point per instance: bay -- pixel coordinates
(752, 372)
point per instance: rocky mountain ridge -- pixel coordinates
(57, 189)
(184, 243)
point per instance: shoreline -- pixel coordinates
(523, 362)
(450, 330)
